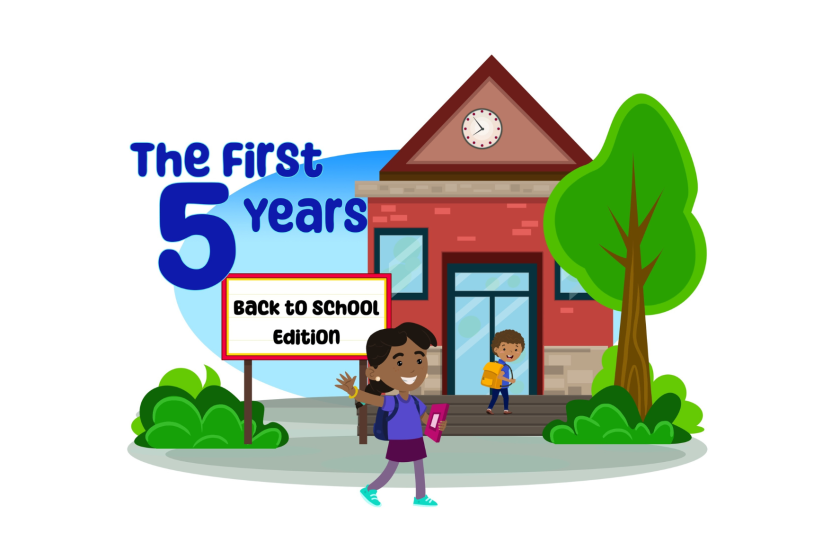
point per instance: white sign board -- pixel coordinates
(302, 316)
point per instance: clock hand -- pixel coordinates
(479, 125)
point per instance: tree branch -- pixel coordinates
(621, 260)
(646, 270)
(634, 210)
(624, 235)
(644, 225)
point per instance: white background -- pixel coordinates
(89, 324)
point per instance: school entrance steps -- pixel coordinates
(468, 417)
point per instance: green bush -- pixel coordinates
(187, 380)
(614, 395)
(181, 413)
(690, 414)
(137, 426)
(179, 425)
(665, 408)
(611, 417)
(607, 425)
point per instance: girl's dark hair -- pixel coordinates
(380, 343)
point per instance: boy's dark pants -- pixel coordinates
(495, 393)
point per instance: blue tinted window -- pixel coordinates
(567, 286)
(491, 281)
(403, 253)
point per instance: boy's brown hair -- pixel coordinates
(509, 336)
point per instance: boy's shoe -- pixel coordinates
(425, 501)
(370, 497)
(507, 411)
(489, 411)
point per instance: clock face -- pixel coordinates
(482, 128)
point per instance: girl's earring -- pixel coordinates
(377, 379)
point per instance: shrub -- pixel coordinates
(178, 425)
(614, 395)
(181, 413)
(607, 425)
(690, 414)
(137, 426)
(611, 417)
(187, 380)
(665, 408)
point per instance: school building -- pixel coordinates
(457, 218)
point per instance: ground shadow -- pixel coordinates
(454, 462)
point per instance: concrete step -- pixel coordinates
(535, 430)
(481, 409)
(467, 414)
(514, 399)
(501, 420)
(482, 417)
(494, 430)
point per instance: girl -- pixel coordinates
(397, 357)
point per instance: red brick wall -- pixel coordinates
(501, 225)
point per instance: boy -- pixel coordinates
(507, 346)
(397, 357)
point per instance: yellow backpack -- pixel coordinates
(490, 377)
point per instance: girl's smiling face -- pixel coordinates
(405, 368)
(508, 351)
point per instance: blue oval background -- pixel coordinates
(267, 251)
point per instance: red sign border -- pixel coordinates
(355, 357)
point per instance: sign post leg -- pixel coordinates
(362, 411)
(248, 427)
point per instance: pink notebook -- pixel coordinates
(437, 414)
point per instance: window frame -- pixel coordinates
(566, 296)
(424, 233)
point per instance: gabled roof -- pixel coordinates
(533, 146)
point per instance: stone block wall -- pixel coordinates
(432, 385)
(569, 370)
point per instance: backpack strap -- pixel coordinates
(416, 403)
(396, 408)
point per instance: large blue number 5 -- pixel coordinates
(176, 226)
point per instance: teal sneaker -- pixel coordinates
(425, 501)
(370, 497)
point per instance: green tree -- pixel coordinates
(622, 225)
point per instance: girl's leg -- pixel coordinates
(419, 480)
(386, 475)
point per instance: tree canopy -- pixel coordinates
(585, 210)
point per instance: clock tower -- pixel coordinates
(464, 140)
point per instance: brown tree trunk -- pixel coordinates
(632, 369)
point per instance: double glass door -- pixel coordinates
(484, 299)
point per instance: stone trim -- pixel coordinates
(569, 370)
(445, 189)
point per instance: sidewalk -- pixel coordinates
(323, 450)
